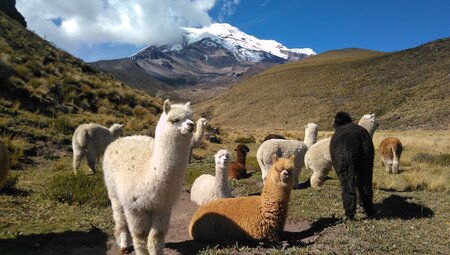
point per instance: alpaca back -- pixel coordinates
(203, 189)
(92, 136)
(4, 163)
(319, 154)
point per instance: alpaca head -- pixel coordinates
(175, 119)
(341, 119)
(369, 122)
(116, 129)
(311, 131)
(202, 122)
(242, 148)
(282, 171)
(222, 158)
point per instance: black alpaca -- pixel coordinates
(352, 154)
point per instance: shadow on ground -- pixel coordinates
(398, 207)
(70, 243)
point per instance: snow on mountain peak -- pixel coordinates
(243, 46)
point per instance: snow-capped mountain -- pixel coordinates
(215, 56)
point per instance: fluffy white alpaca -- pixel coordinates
(318, 157)
(286, 148)
(4, 163)
(144, 177)
(91, 140)
(198, 135)
(207, 188)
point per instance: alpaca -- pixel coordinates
(352, 154)
(198, 135)
(318, 158)
(144, 177)
(286, 148)
(91, 140)
(207, 188)
(4, 163)
(390, 150)
(248, 218)
(237, 168)
(273, 136)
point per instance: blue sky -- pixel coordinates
(107, 29)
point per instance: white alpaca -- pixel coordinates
(91, 140)
(207, 188)
(198, 135)
(318, 157)
(144, 177)
(4, 163)
(286, 148)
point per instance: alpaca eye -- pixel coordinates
(175, 120)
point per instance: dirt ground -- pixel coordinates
(178, 240)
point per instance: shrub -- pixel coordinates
(78, 189)
(250, 139)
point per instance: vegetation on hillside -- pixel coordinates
(45, 93)
(406, 89)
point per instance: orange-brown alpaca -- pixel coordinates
(237, 168)
(390, 150)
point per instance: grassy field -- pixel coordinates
(414, 206)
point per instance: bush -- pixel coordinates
(250, 139)
(78, 189)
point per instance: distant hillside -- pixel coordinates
(405, 89)
(45, 93)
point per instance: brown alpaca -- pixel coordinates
(390, 150)
(237, 168)
(248, 218)
(273, 136)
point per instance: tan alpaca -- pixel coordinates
(248, 218)
(390, 150)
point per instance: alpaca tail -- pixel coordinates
(395, 160)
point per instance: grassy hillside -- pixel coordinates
(406, 89)
(45, 93)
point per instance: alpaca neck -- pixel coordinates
(170, 156)
(310, 138)
(240, 157)
(275, 202)
(198, 135)
(369, 126)
(221, 185)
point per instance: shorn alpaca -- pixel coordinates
(352, 154)
(207, 188)
(4, 163)
(318, 158)
(144, 177)
(91, 140)
(390, 150)
(286, 148)
(198, 135)
(248, 218)
(238, 169)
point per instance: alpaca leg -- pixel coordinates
(296, 174)
(158, 231)
(91, 157)
(388, 165)
(365, 192)
(395, 167)
(348, 188)
(316, 179)
(139, 225)
(78, 154)
(121, 228)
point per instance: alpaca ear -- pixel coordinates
(188, 104)
(274, 159)
(166, 107)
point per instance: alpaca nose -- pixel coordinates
(191, 126)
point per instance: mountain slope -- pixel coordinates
(406, 89)
(211, 57)
(45, 93)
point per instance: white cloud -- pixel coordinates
(73, 24)
(228, 8)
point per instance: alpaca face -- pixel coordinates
(222, 158)
(243, 149)
(176, 117)
(116, 129)
(282, 172)
(370, 118)
(202, 122)
(311, 128)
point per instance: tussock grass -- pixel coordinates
(78, 189)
